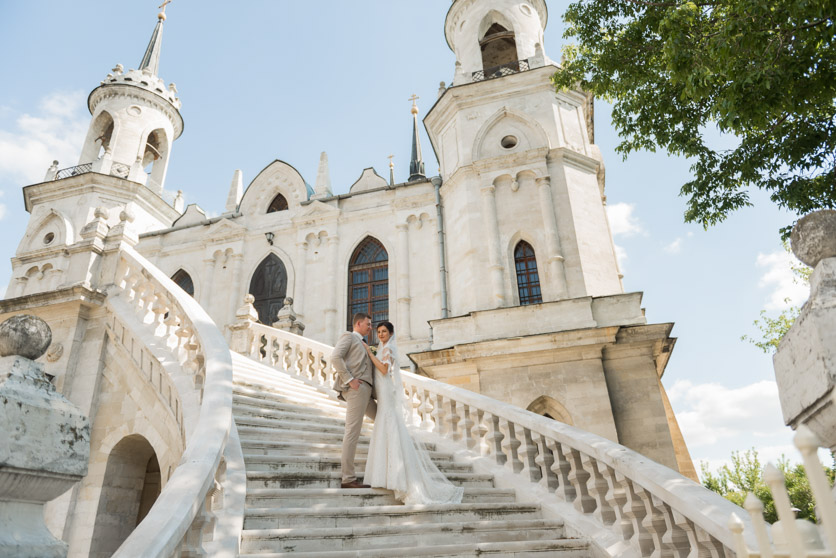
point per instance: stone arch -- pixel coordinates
(55, 223)
(507, 123)
(130, 487)
(155, 150)
(279, 203)
(269, 285)
(276, 178)
(497, 40)
(99, 138)
(551, 408)
(527, 274)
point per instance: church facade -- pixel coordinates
(500, 274)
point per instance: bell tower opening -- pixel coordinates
(499, 47)
(98, 138)
(154, 160)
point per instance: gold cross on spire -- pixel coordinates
(414, 105)
(391, 163)
(161, 15)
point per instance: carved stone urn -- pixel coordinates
(44, 441)
(805, 362)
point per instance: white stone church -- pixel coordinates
(500, 276)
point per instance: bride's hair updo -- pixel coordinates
(387, 325)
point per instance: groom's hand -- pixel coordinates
(354, 384)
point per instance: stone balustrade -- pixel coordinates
(171, 337)
(649, 509)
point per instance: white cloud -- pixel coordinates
(778, 277)
(622, 220)
(55, 133)
(675, 246)
(622, 223)
(709, 414)
(2, 211)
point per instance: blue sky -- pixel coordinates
(272, 79)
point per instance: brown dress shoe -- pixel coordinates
(354, 484)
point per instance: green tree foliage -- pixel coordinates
(773, 329)
(745, 475)
(762, 71)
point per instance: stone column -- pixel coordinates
(237, 269)
(301, 269)
(494, 252)
(47, 441)
(206, 282)
(554, 258)
(331, 330)
(404, 330)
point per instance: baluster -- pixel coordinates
(276, 349)
(597, 487)
(675, 540)
(193, 541)
(616, 498)
(480, 432)
(755, 508)
(529, 455)
(494, 438)
(171, 318)
(713, 547)
(438, 414)
(184, 335)
(454, 418)
(309, 370)
(510, 445)
(415, 401)
(687, 526)
(561, 470)
(578, 477)
(425, 410)
(635, 512)
(467, 427)
(654, 524)
(545, 460)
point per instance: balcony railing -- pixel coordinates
(74, 171)
(506, 69)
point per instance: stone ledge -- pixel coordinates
(75, 293)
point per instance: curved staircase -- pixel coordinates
(291, 436)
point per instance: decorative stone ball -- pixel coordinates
(249, 299)
(25, 335)
(814, 237)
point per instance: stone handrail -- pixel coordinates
(167, 320)
(654, 510)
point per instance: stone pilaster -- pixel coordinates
(301, 270)
(494, 254)
(554, 258)
(404, 330)
(331, 330)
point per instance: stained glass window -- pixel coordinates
(368, 283)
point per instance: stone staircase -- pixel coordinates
(291, 435)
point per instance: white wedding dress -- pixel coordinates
(397, 461)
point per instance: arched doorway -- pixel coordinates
(269, 287)
(130, 487)
(551, 408)
(184, 281)
(368, 283)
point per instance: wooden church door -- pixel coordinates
(269, 287)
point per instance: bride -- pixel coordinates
(396, 461)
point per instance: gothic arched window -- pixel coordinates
(499, 47)
(368, 283)
(528, 280)
(184, 281)
(279, 203)
(269, 287)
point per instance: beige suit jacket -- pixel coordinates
(350, 360)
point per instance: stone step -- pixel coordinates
(563, 548)
(294, 431)
(248, 410)
(332, 479)
(295, 423)
(281, 447)
(288, 394)
(398, 536)
(337, 497)
(325, 411)
(285, 518)
(310, 463)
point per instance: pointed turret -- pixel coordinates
(151, 60)
(391, 170)
(323, 179)
(236, 191)
(136, 118)
(416, 162)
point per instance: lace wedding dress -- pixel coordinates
(396, 461)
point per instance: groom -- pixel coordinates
(355, 384)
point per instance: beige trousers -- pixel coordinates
(359, 403)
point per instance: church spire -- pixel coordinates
(151, 60)
(416, 162)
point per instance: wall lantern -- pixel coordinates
(270, 237)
